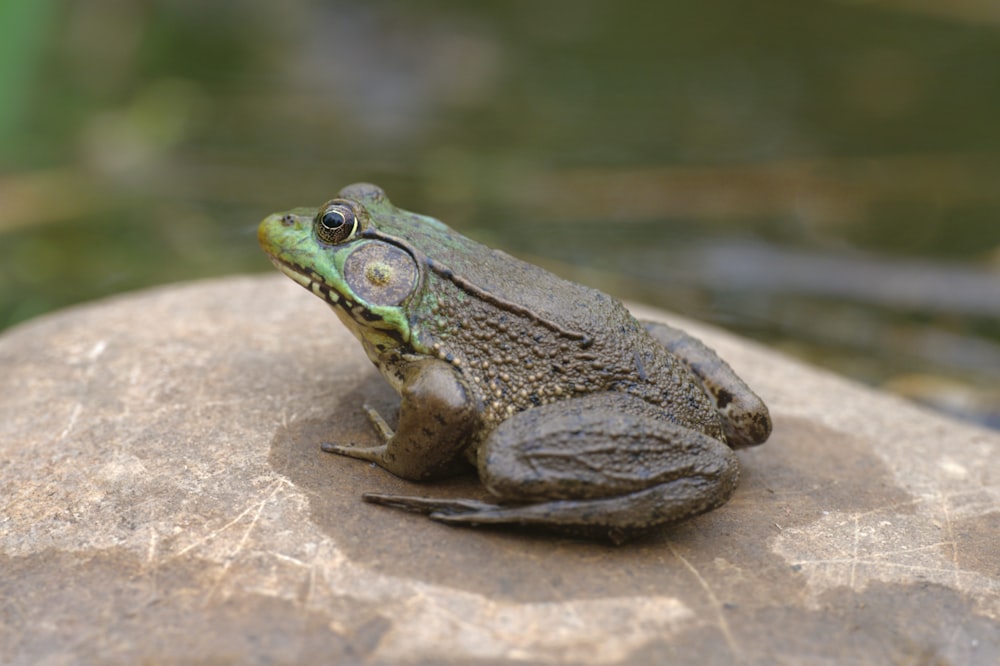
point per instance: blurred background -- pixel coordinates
(823, 176)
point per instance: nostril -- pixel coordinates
(288, 220)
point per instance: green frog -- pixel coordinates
(577, 416)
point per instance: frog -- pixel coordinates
(577, 417)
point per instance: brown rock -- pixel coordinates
(163, 499)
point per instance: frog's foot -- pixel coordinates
(617, 519)
(561, 516)
(381, 427)
(745, 417)
(436, 508)
(370, 453)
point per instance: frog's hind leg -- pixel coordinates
(745, 416)
(430, 506)
(597, 466)
(617, 518)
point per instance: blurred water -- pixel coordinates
(821, 176)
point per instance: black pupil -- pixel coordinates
(334, 219)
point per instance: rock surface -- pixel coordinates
(163, 499)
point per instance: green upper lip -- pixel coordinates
(311, 281)
(297, 273)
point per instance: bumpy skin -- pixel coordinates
(577, 416)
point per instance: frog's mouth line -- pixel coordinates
(311, 281)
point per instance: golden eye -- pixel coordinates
(336, 222)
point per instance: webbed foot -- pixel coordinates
(617, 519)
(429, 506)
(369, 453)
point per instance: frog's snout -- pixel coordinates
(276, 227)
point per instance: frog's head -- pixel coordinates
(338, 252)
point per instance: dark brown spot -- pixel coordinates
(723, 398)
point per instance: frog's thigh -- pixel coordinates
(599, 461)
(745, 416)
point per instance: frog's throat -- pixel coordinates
(477, 291)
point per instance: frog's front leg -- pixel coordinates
(596, 465)
(745, 417)
(438, 419)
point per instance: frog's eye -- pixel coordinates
(336, 222)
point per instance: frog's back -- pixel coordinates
(525, 337)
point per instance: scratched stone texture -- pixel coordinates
(163, 500)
